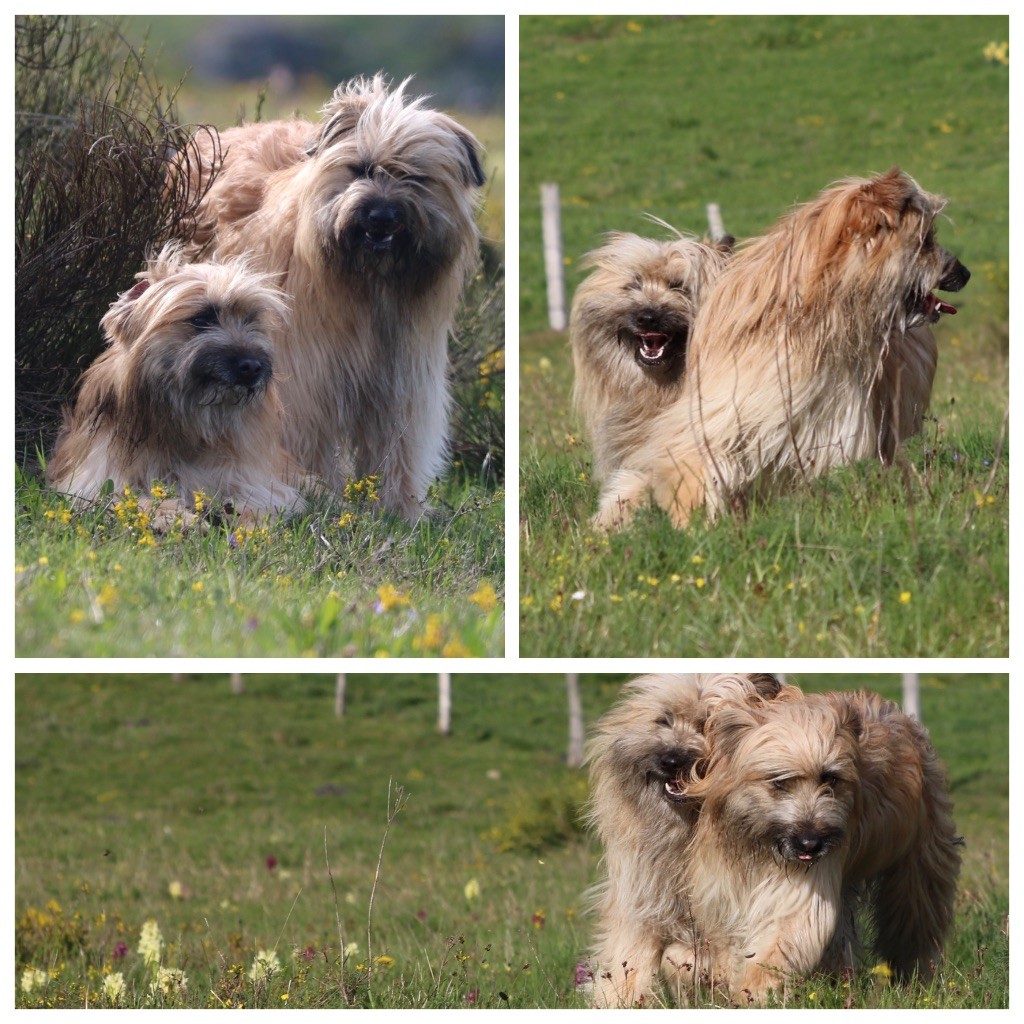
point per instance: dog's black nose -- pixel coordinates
(673, 762)
(807, 844)
(645, 318)
(955, 278)
(382, 219)
(249, 370)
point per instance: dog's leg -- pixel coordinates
(685, 970)
(168, 512)
(913, 905)
(679, 491)
(791, 945)
(624, 493)
(628, 958)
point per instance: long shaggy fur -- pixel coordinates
(808, 806)
(368, 218)
(184, 393)
(629, 329)
(641, 759)
(813, 350)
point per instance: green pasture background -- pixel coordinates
(664, 114)
(343, 579)
(255, 821)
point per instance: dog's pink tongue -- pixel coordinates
(939, 306)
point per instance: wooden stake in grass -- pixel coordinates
(551, 217)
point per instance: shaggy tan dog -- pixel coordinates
(184, 394)
(808, 805)
(630, 329)
(812, 350)
(641, 758)
(368, 219)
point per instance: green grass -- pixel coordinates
(138, 798)
(342, 579)
(90, 584)
(662, 115)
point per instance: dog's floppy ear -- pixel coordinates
(117, 322)
(879, 203)
(726, 725)
(851, 721)
(473, 169)
(766, 685)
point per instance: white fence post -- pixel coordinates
(339, 695)
(444, 703)
(716, 226)
(554, 267)
(912, 694)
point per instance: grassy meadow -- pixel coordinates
(343, 579)
(662, 115)
(267, 854)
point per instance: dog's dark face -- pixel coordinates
(193, 350)
(645, 295)
(231, 360)
(784, 780)
(393, 185)
(923, 306)
(651, 743)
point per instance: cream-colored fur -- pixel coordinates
(809, 806)
(812, 350)
(629, 330)
(193, 407)
(641, 758)
(368, 219)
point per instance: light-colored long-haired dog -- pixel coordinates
(368, 218)
(641, 759)
(184, 394)
(808, 806)
(629, 329)
(812, 350)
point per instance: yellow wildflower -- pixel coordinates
(485, 597)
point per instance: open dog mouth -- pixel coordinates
(674, 791)
(932, 307)
(653, 348)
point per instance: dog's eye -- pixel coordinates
(360, 170)
(830, 779)
(417, 179)
(676, 286)
(665, 721)
(204, 319)
(779, 784)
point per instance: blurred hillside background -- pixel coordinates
(239, 66)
